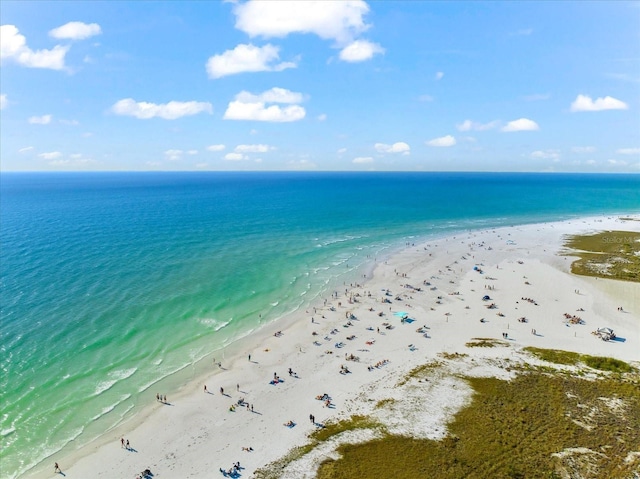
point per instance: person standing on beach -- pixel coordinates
(56, 468)
(122, 442)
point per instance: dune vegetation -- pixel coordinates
(607, 254)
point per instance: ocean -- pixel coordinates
(115, 286)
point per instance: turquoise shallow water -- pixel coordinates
(113, 282)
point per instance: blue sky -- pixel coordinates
(351, 85)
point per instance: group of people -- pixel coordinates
(378, 364)
(233, 472)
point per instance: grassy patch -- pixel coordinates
(419, 372)
(446, 355)
(385, 402)
(334, 428)
(512, 429)
(484, 343)
(555, 355)
(608, 254)
(274, 469)
(606, 364)
(570, 358)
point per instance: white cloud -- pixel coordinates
(40, 120)
(253, 148)
(70, 122)
(168, 111)
(469, 125)
(235, 157)
(442, 141)
(76, 31)
(399, 147)
(173, 155)
(522, 124)
(585, 103)
(246, 58)
(583, 149)
(439, 75)
(303, 164)
(275, 95)
(258, 112)
(3, 101)
(60, 162)
(322, 117)
(360, 50)
(13, 46)
(617, 162)
(192, 152)
(216, 147)
(340, 21)
(248, 106)
(342, 151)
(628, 151)
(363, 159)
(545, 155)
(51, 155)
(591, 162)
(26, 149)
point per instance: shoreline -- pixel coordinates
(296, 345)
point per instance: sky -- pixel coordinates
(320, 85)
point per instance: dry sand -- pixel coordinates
(197, 434)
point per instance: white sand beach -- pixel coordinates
(439, 287)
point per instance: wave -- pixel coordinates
(338, 240)
(114, 378)
(107, 409)
(217, 325)
(161, 377)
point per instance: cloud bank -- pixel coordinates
(167, 111)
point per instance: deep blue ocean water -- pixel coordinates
(112, 283)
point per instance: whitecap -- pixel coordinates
(216, 324)
(114, 377)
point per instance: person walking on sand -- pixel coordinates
(122, 442)
(205, 388)
(56, 468)
(128, 446)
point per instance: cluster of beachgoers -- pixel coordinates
(360, 340)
